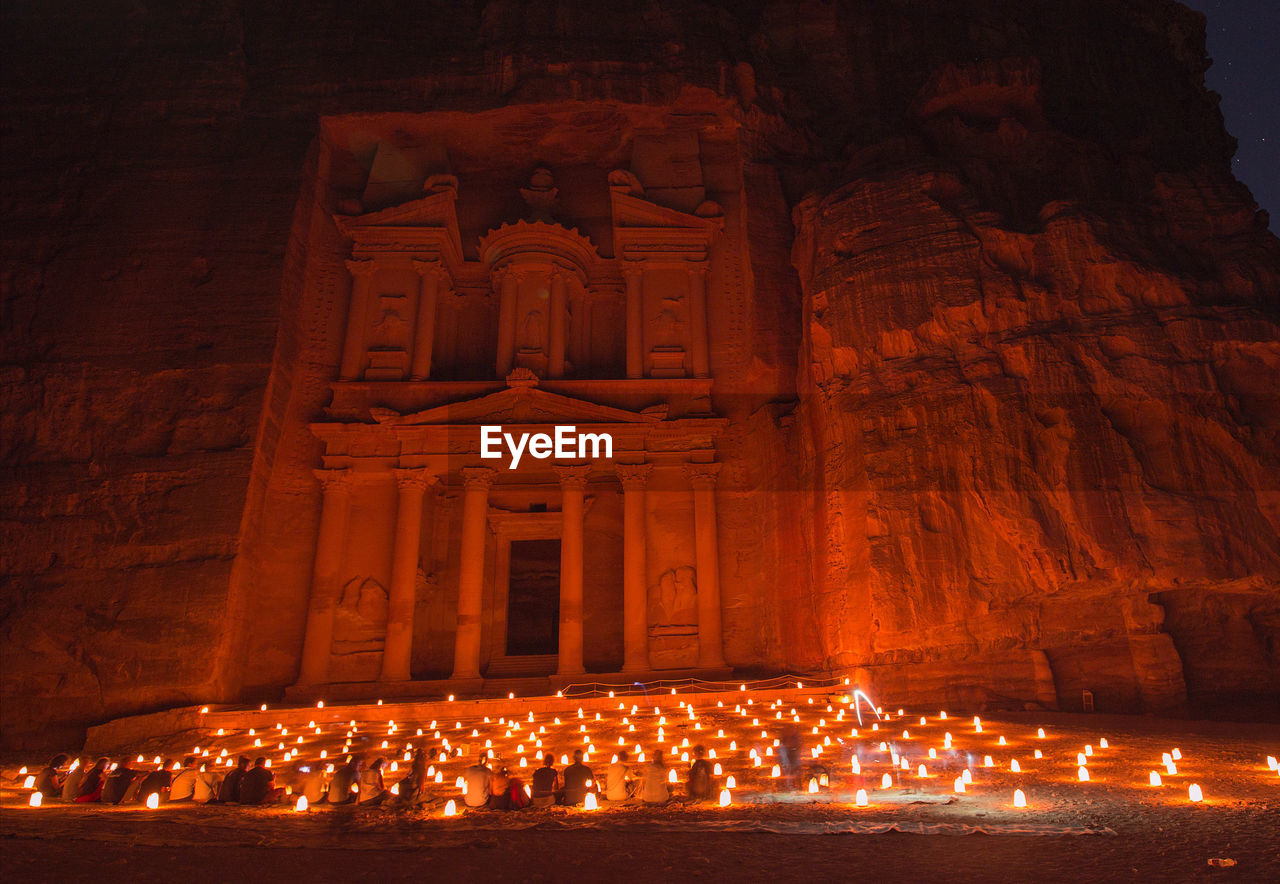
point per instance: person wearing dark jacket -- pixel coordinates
(230, 791)
(578, 780)
(259, 785)
(700, 775)
(117, 785)
(157, 782)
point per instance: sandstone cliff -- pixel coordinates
(1022, 358)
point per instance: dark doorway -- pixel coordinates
(533, 600)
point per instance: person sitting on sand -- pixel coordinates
(519, 798)
(118, 783)
(207, 786)
(372, 788)
(183, 787)
(93, 782)
(546, 783)
(654, 785)
(157, 782)
(578, 781)
(500, 789)
(308, 782)
(259, 785)
(476, 779)
(618, 785)
(790, 756)
(75, 776)
(49, 780)
(700, 775)
(229, 791)
(413, 788)
(345, 788)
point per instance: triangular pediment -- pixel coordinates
(518, 405)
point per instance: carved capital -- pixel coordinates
(507, 273)
(413, 479)
(359, 267)
(336, 481)
(633, 476)
(697, 272)
(573, 476)
(632, 270)
(478, 478)
(702, 475)
(431, 266)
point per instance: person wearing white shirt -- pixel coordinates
(477, 779)
(183, 787)
(618, 785)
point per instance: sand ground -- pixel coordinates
(1114, 829)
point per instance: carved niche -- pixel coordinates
(673, 620)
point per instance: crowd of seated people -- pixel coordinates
(487, 783)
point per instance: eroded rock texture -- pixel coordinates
(1012, 423)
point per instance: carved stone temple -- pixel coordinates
(433, 564)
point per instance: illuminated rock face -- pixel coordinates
(993, 343)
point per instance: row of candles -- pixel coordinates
(445, 750)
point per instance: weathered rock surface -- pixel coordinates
(1015, 367)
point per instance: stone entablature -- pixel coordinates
(554, 295)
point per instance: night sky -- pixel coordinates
(1243, 41)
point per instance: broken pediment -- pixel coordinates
(645, 230)
(429, 223)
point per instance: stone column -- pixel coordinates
(573, 482)
(702, 476)
(635, 603)
(353, 345)
(397, 649)
(325, 575)
(475, 508)
(430, 275)
(556, 327)
(698, 320)
(635, 320)
(581, 326)
(508, 282)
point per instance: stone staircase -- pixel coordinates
(520, 667)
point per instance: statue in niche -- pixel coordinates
(667, 328)
(674, 600)
(360, 620)
(673, 620)
(429, 603)
(391, 331)
(531, 336)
